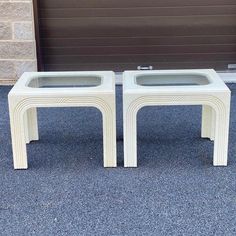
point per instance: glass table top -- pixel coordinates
(171, 80)
(62, 81)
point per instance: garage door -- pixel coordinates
(123, 34)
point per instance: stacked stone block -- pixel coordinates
(17, 40)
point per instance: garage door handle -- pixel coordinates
(145, 67)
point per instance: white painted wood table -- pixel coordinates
(60, 89)
(177, 87)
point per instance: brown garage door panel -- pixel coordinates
(137, 41)
(137, 12)
(111, 34)
(148, 26)
(138, 58)
(116, 67)
(150, 50)
(130, 3)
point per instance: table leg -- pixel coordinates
(18, 137)
(31, 125)
(130, 137)
(221, 134)
(109, 134)
(208, 122)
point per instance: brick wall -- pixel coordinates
(17, 40)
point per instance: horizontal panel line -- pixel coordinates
(169, 16)
(137, 7)
(146, 37)
(147, 46)
(134, 63)
(145, 54)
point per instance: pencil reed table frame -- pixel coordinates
(61, 89)
(177, 87)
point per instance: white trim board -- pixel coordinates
(227, 77)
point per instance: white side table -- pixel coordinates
(177, 87)
(61, 89)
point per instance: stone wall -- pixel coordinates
(17, 40)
